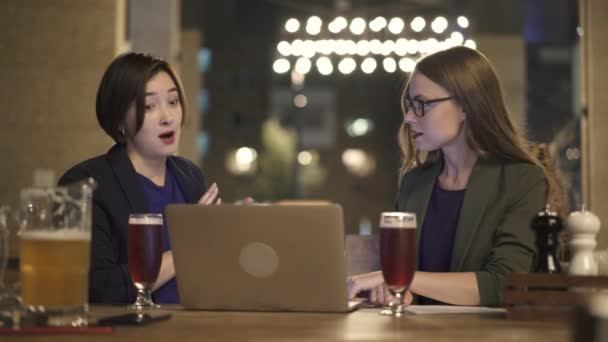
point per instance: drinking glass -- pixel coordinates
(8, 295)
(55, 236)
(397, 256)
(145, 255)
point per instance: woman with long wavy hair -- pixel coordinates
(472, 180)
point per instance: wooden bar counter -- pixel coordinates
(361, 325)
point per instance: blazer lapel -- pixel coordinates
(189, 190)
(482, 182)
(127, 179)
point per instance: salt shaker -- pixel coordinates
(583, 227)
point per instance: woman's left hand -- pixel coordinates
(245, 201)
(211, 196)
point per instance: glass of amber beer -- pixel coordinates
(397, 256)
(55, 236)
(145, 255)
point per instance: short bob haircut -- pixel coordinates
(125, 81)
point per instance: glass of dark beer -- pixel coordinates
(145, 255)
(397, 256)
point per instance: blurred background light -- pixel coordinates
(357, 26)
(375, 46)
(470, 43)
(407, 64)
(359, 127)
(457, 37)
(396, 25)
(358, 162)
(292, 25)
(337, 25)
(369, 65)
(363, 48)
(439, 25)
(281, 66)
(377, 24)
(284, 48)
(304, 158)
(242, 161)
(388, 47)
(389, 64)
(324, 66)
(297, 79)
(401, 47)
(347, 65)
(303, 65)
(463, 21)
(308, 48)
(313, 25)
(300, 101)
(418, 24)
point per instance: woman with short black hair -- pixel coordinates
(140, 105)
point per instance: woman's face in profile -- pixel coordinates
(160, 131)
(442, 123)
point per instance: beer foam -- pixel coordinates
(399, 225)
(144, 220)
(67, 234)
(398, 220)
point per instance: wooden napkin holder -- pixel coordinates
(542, 296)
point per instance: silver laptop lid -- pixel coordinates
(271, 258)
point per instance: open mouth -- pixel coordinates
(167, 137)
(416, 134)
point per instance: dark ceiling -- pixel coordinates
(367, 6)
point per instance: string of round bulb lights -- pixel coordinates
(349, 45)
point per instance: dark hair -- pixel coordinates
(124, 82)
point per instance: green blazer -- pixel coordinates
(493, 236)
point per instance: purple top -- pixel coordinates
(437, 232)
(158, 198)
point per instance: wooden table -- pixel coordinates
(361, 325)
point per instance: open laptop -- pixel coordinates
(260, 257)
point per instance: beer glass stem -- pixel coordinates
(144, 299)
(399, 307)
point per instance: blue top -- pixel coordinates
(438, 231)
(158, 198)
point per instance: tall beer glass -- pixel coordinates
(55, 252)
(145, 255)
(397, 256)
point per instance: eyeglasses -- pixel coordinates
(418, 106)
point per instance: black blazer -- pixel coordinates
(118, 194)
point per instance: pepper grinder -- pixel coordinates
(547, 225)
(583, 226)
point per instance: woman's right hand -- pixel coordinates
(211, 196)
(373, 282)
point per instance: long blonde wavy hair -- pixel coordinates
(470, 78)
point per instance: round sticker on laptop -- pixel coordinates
(259, 260)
